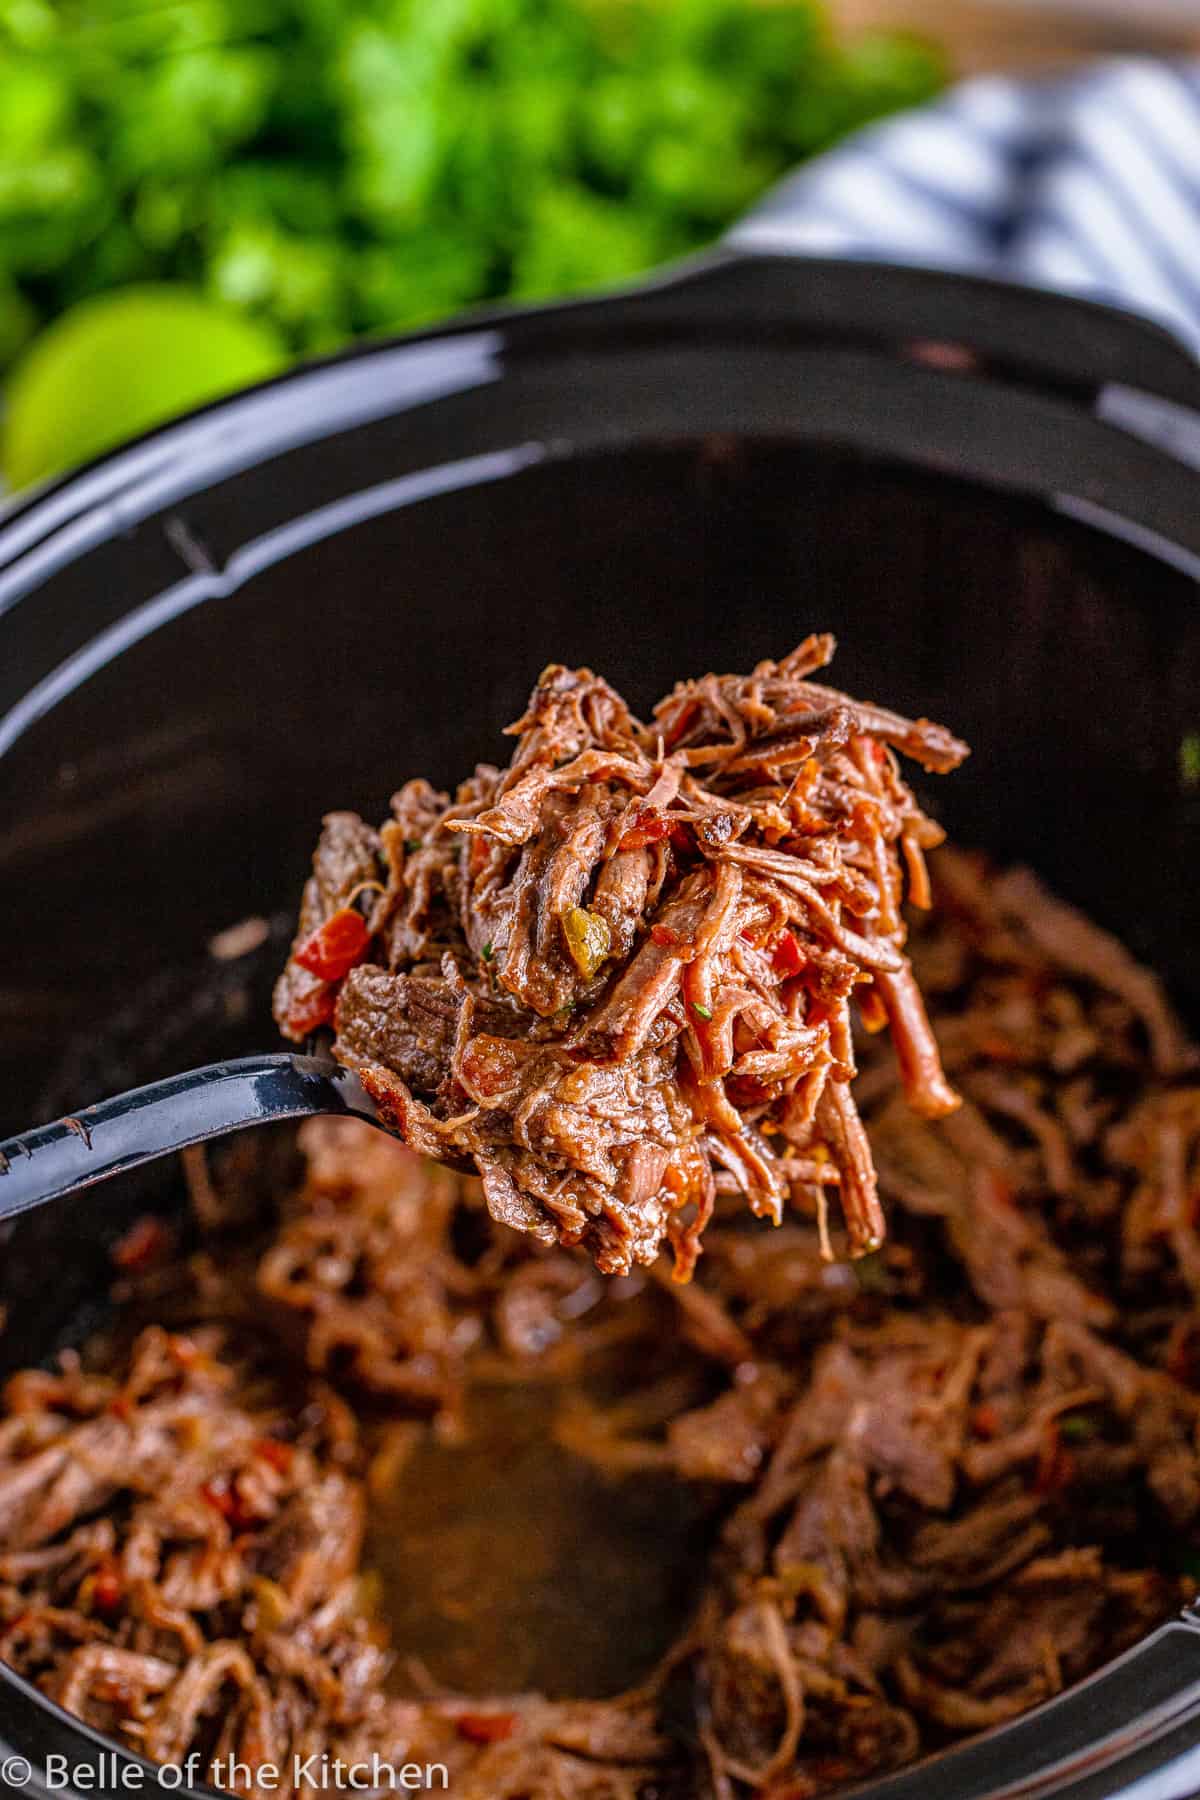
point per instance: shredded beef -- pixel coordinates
(618, 973)
(952, 1478)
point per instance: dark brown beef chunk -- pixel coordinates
(406, 1022)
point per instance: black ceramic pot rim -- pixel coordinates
(1033, 337)
(1093, 411)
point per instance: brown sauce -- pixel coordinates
(508, 1561)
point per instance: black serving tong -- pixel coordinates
(137, 1127)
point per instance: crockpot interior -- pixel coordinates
(177, 790)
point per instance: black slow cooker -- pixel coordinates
(292, 599)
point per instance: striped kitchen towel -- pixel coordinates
(1089, 182)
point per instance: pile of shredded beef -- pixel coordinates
(954, 1476)
(615, 977)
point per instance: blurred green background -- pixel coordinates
(252, 180)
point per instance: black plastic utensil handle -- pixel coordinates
(149, 1122)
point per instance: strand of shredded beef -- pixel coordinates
(958, 1475)
(623, 966)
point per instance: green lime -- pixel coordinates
(112, 367)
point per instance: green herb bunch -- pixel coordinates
(346, 166)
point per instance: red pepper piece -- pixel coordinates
(146, 1241)
(486, 1728)
(653, 829)
(1056, 1465)
(275, 1452)
(334, 948)
(223, 1497)
(786, 955)
(985, 1420)
(664, 937)
(307, 1012)
(645, 831)
(107, 1586)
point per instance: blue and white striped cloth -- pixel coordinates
(1089, 183)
